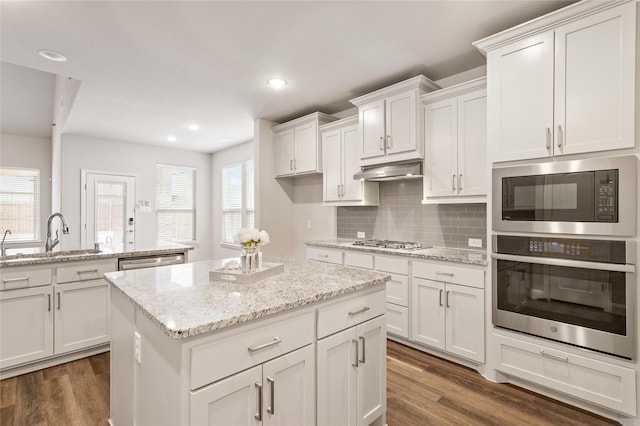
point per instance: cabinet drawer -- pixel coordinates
(358, 260)
(349, 312)
(27, 276)
(600, 383)
(397, 320)
(392, 264)
(82, 271)
(324, 255)
(398, 290)
(238, 351)
(459, 274)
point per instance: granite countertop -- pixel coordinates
(36, 255)
(471, 257)
(183, 302)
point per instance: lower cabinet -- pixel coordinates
(278, 392)
(351, 387)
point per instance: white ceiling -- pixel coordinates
(149, 68)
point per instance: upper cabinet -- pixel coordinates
(298, 146)
(389, 124)
(455, 168)
(564, 83)
(341, 160)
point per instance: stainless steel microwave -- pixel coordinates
(582, 197)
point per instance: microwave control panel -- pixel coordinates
(606, 251)
(606, 190)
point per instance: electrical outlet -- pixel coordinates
(309, 224)
(137, 347)
(360, 234)
(475, 242)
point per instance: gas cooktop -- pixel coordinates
(399, 245)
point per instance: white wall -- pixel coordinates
(35, 153)
(219, 159)
(116, 156)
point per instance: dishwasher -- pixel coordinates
(138, 262)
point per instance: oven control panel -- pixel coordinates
(564, 248)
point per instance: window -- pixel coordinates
(175, 203)
(20, 203)
(237, 199)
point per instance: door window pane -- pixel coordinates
(110, 212)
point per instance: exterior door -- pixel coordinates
(109, 209)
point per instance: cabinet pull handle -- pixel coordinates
(556, 357)
(58, 300)
(338, 189)
(453, 183)
(357, 357)
(359, 311)
(13, 280)
(88, 271)
(258, 415)
(275, 341)
(559, 136)
(448, 274)
(440, 297)
(324, 256)
(548, 139)
(388, 141)
(295, 164)
(363, 349)
(447, 299)
(291, 165)
(381, 143)
(271, 409)
(48, 303)
(342, 190)
(460, 182)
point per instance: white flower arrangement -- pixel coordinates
(249, 237)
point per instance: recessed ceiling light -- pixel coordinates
(171, 138)
(193, 127)
(276, 83)
(52, 56)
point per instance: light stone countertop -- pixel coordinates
(183, 302)
(36, 256)
(471, 257)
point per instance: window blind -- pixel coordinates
(175, 203)
(231, 201)
(250, 203)
(20, 203)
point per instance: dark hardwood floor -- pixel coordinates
(421, 390)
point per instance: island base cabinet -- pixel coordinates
(280, 392)
(352, 376)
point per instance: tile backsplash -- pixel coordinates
(401, 216)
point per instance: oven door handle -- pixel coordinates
(566, 262)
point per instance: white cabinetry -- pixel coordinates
(351, 388)
(341, 160)
(390, 128)
(397, 293)
(455, 143)
(447, 309)
(324, 255)
(564, 84)
(297, 145)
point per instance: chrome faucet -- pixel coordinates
(3, 250)
(49, 245)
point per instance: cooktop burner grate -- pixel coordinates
(399, 245)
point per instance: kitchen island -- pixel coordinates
(306, 346)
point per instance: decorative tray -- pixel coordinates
(236, 275)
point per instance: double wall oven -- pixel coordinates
(562, 267)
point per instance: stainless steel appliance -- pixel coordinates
(576, 291)
(594, 196)
(399, 245)
(125, 264)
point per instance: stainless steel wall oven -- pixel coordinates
(576, 291)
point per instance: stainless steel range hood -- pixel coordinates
(390, 172)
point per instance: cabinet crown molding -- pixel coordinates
(339, 123)
(455, 90)
(419, 82)
(546, 22)
(320, 117)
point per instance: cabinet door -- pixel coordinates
(332, 169)
(26, 325)
(306, 148)
(352, 190)
(595, 81)
(234, 401)
(401, 119)
(440, 175)
(288, 384)
(336, 387)
(465, 321)
(81, 315)
(520, 110)
(372, 131)
(372, 371)
(284, 158)
(428, 312)
(472, 143)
